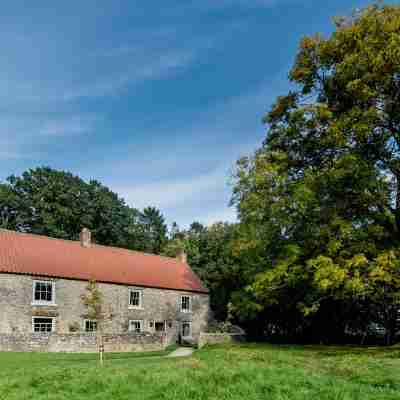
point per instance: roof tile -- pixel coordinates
(40, 255)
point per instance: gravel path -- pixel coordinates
(181, 352)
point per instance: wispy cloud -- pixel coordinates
(68, 126)
(212, 5)
(9, 155)
(168, 194)
(225, 214)
(223, 132)
(135, 71)
(66, 76)
(28, 136)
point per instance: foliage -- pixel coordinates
(153, 231)
(58, 204)
(321, 197)
(250, 371)
(224, 327)
(211, 254)
(92, 299)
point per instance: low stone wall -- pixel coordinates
(220, 338)
(82, 343)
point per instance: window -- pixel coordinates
(42, 324)
(90, 325)
(135, 298)
(186, 329)
(185, 304)
(135, 326)
(159, 326)
(43, 292)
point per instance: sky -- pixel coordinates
(155, 99)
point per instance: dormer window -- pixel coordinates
(43, 293)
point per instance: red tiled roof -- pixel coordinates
(24, 253)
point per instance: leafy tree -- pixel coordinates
(49, 202)
(153, 230)
(211, 255)
(97, 311)
(8, 204)
(58, 204)
(320, 199)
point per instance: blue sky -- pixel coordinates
(156, 99)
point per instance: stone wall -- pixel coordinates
(219, 338)
(83, 343)
(17, 310)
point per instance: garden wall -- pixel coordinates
(83, 343)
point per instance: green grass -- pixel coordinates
(248, 371)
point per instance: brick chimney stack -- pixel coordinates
(181, 256)
(86, 238)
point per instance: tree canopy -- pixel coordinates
(322, 193)
(58, 204)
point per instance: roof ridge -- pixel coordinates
(93, 244)
(136, 251)
(38, 235)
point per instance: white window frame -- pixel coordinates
(184, 310)
(131, 321)
(190, 328)
(44, 317)
(89, 320)
(140, 306)
(43, 302)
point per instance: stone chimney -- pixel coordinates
(181, 255)
(86, 238)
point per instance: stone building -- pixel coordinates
(152, 301)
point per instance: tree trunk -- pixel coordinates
(397, 210)
(100, 343)
(391, 325)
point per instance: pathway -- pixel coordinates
(181, 352)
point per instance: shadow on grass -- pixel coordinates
(12, 360)
(330, 350)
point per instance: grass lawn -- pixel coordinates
(249, 371)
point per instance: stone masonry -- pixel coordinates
(158, 306)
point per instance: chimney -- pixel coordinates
(85, 237)
(181, 255)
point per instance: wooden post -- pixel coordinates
(101, 351)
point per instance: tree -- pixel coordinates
(211, 255)
(153, 230)
(96, 311)
(320, 198)
(58, 204)
(8, 206)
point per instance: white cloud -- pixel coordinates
(138, 71)
(68, 126)
(9, 155)
(26, 136)
(225, 214)
(171, 194)
(207, 5)
(221, 134)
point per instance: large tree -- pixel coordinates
(321, 196)
(58, 204)
(152, 230)
(212, 255)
